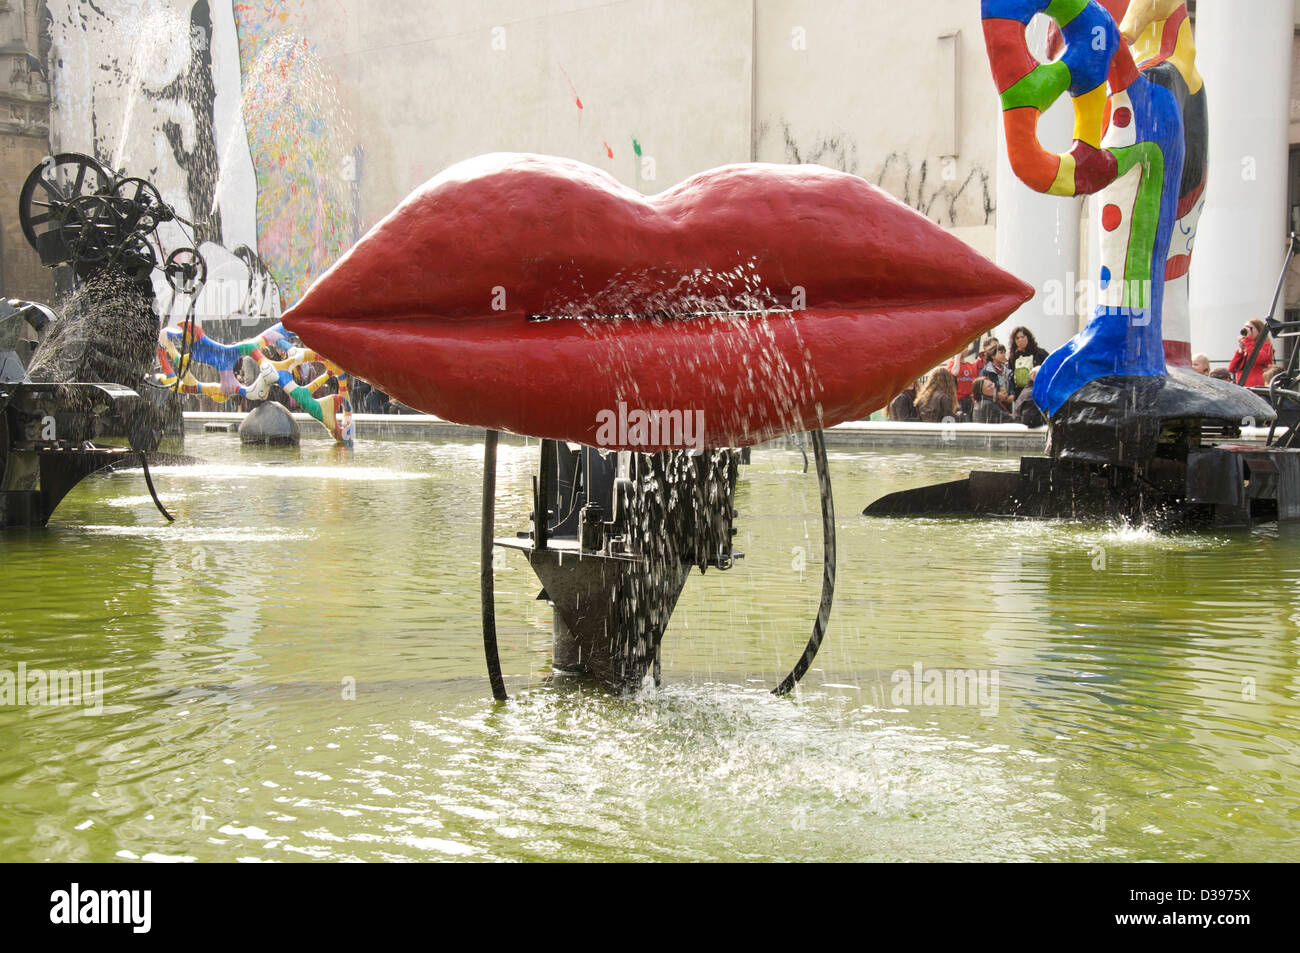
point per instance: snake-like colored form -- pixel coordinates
(1139, 145)
(180, 348)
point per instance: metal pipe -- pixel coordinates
(828, 568)
(487, 592)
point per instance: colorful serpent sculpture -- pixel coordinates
(182, 347)
(1140, 146)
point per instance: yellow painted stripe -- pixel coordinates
(1089, 109)
(1064, 184)
(1184, 58)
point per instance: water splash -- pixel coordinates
(743, 316)
(160, 55)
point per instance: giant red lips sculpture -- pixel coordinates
(540, 296)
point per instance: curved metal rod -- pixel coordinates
(828, 568)
(148, 481)
(487, 593)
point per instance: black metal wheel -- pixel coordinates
(51, 187)
(146, 206)
(94, 227)
(136, 255)
(186, 271)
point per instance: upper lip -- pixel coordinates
(554, 234)
(497, 239)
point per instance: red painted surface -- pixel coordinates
(889, 295)
(1177, 266)
(1094, 168)
(1188, 201)
(1009, 55)
(1168, 39)
(1178, 353)
(1111, 217)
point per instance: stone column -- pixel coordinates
(1244, 53)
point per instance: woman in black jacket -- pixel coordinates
(903, 407)
(1024, 356)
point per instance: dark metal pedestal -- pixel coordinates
(46, 443)
(1157, 451)
(614, 537)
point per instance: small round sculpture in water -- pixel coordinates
(269, 425)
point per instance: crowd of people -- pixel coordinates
(987, 384)
(991, 384)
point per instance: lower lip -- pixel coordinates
(750, 377)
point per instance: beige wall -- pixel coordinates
(695, 84)
(432, 82)
(427, 84)
(864, 87)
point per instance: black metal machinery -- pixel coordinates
(102, 225)
(1161, 451)
(613, 539)
(75, 211)
(1152, 451)
(47, 434)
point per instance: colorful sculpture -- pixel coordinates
(541, 296)
(180, 348)
(1140, 146)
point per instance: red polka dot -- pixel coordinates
(1111, 217)
(1123, 116)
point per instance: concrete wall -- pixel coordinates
(384, 96)
(324, 114)
(664, 86)
(321, 115)
(870, 88)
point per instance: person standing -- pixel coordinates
(1024, 356)
(1251, 331)
(966, 369)
(999, 373)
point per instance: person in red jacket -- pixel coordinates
(966, 368)
(1250, 333)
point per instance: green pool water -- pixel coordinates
(293, 671)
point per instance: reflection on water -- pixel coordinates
(294, 671)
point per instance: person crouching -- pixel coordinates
(987, 408)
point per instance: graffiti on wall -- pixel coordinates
(302, 145)
(140, 77)
(938, 189)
